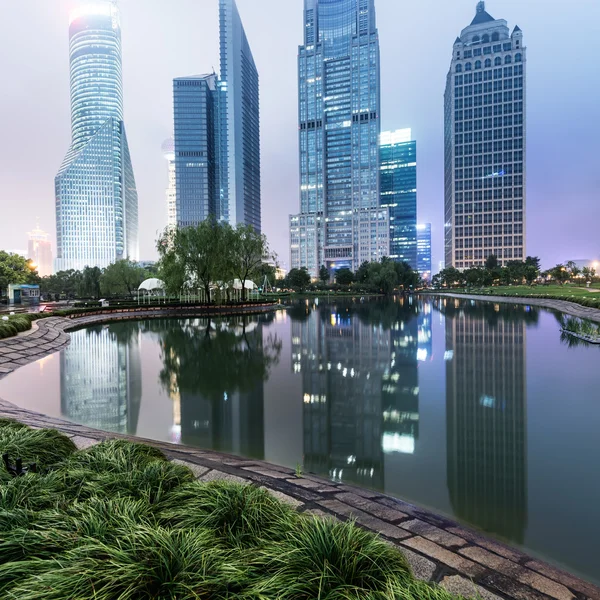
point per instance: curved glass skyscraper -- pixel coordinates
(96, 197)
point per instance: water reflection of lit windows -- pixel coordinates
(314, 399)
(394, 442)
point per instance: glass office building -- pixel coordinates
(217, 134)
(341, 222)
(196, 175)
(239, 135)
(485, 135)
(168, 149)
(424, 250)
(398, 153)
(96, 197)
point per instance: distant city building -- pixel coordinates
(39, 250)
(424, 250)
(485, 135)
(196, 173)
(96, 197)
(217, 134)
(398, 155)
(168, 149)
(341, 222)
(239, 140)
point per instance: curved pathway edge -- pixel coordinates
(438, 549)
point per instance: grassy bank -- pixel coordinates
(118, 521)
(17, 324)
(570, 293)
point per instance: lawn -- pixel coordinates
(119, 522)
(572, 293)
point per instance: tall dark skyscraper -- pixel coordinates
(341, 223)
(96, 197)
(217, 134)
(485, 135)
(399, 192)
(424, 250)
(196, 155)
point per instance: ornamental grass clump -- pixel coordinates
(118, 521)
(240, 515)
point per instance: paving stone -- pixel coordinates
(83, 442)
(358, 491)
(266, 472)
(314, 486)
(215, 475)
(197, 470)
(490, 545)
(435, 534)
(446, 557)
(514, 571)
(509, 588)
(293, 502)
(381, 512)
(459, 586)
(422, 568)
(590, 590)
(366, 520)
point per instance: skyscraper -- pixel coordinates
(341, 222)
(424, 250)
(96, 197)
(168, 149)
(398, 153)
(485, 194)
(39, 250)
(196, 173)
(217, 120)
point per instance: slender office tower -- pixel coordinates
(96, 197)
(341, 221)
(485, 137)
(168, 150)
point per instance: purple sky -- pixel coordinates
(163, 40)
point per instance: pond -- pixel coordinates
(482, 412)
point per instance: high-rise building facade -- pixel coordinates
(196, 173)
(39, 250)
(240, 201)
(485, 135)
(424, 250)
(168, 150)
(398, 152)
(217, 134)
(96, 197)
(341, 222)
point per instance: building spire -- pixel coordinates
(481, 6)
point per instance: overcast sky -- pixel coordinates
(166, 39)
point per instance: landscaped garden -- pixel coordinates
(119, 521)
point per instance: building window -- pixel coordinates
(495, 36)
(468, 66)
(497, 61)
(485, 39)
(518, 58)
(507, 60)
(459, 68)
(488, 62)
(478, 64)
(476, 39)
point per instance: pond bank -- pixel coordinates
(438, 549)
(570, 308)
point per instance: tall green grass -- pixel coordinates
(119, 522)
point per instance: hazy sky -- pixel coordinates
(166, 39)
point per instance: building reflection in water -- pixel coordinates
(101, 378)
(487, 414)
(214, 371)
(359, 367)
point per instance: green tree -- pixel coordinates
(324, 274)
(559, 273)
(298, 279)
(362, 275)
(122, 277)
(534, 261)
(344, 277)
(64, 282)
(248, 249)
(531, 274)
(89, 284)
(14, 269)
(589, 273)
(268, 271)
(491, 262)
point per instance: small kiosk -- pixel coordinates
(24, 294)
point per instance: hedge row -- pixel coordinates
(582, 301)
(17, 324)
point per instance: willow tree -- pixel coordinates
(248, 250)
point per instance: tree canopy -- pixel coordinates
(14, 269)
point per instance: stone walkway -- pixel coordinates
(570, 308)
(438, 549)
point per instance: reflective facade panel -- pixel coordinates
(424, 250)
(399, 192)
(339, 126)
(96, 196)
(485, 144)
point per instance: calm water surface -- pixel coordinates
(478, 411)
